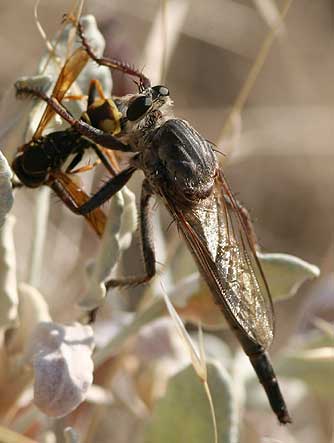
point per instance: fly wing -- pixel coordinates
(218, 239)
(69, 73)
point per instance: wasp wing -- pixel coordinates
(218, 239)
(73, 196)
(69, 73)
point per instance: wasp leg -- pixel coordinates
(147, 243)
(97, 218)
(95, 89)
(105, 139)
(73, 97)
(111, 62)
(85, 168)
(76, 160)
(101, 159)
(16, 184)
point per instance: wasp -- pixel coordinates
(181, 169)
(40, 161)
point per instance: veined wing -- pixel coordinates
(218, 239)
(69, 73)
(71, 194)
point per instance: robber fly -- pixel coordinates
(181, 168)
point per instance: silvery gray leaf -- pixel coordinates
(6, 193)
(183, 414)
(63, 368)
(8, 286)
(50, 66)
(121, 224)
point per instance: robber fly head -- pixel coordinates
(146, 110)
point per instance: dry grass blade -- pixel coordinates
(253, 73)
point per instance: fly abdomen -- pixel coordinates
(264, 370)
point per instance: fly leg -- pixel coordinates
(105, 139)
(109, 189)
(248, 224)
(244, 217)
(147, 244)
(104, 194)
(109, 62)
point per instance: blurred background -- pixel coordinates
(278, 152)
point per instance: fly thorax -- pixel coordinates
(140, 133)
(183, 161)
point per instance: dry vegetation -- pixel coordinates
(280, 163)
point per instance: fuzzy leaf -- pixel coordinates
(9, 436)
(193, 301)
(8, 287)
(92, 70)
(6, 194)
(33, 309)
(63, 368)
(183, 414)
(312, 363)
(286, 273)
(71, 435)
(122, 222)
(49, 69)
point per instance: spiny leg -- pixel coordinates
(247, 222)
(241, 212)
(110, 62)
(147, 243)
(105, 139)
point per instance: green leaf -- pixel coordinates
(183, 414)
(286, 273)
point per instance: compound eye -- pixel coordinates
(138, 107)
(160, 91)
